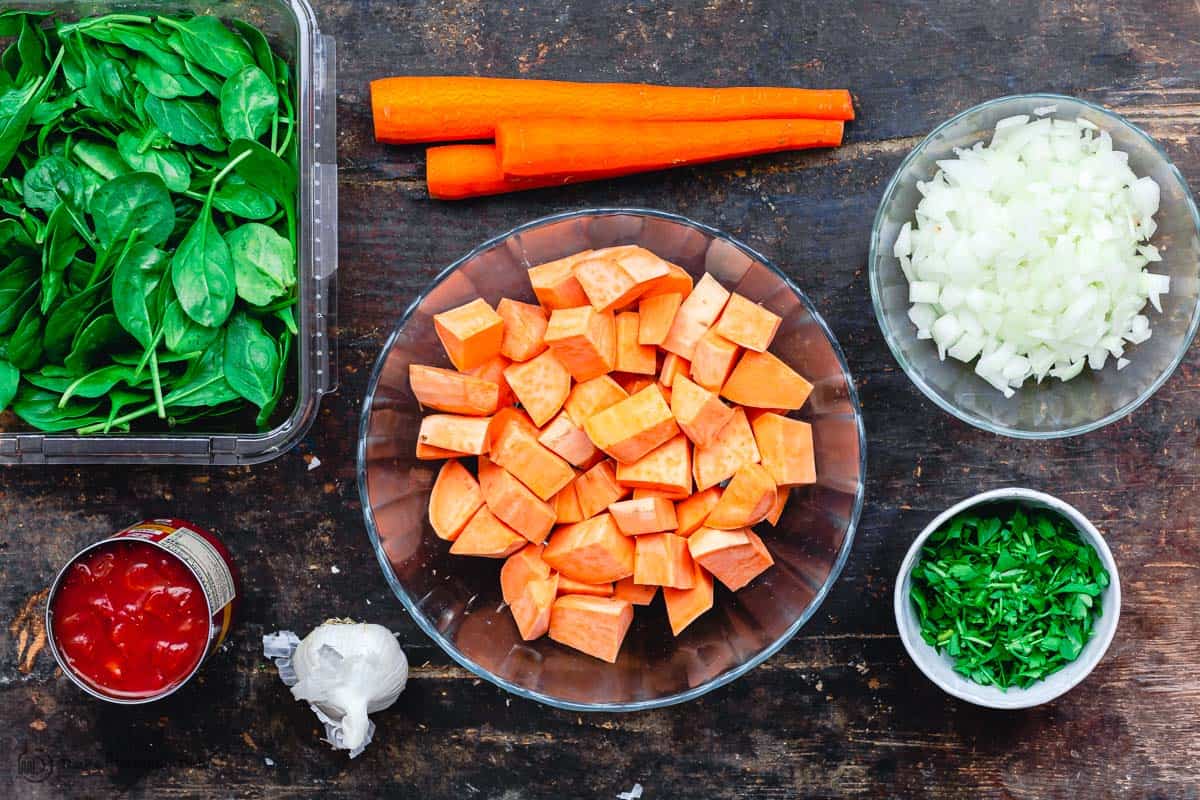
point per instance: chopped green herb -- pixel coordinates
(1010, 596)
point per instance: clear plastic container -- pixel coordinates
(291, 27)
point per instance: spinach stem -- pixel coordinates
(158, 395)
(106, 20)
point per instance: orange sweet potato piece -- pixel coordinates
(633, 427)
(696, 314)
(734, 557)
(426, 452)
(493, 370)
(531, 610)
(568, 586)
(470, 333)
(746, 501)
(632, 384)
(487, 536)
(519, 452)
(454, 432)
(597, 489)
(685, 605)
(515, 506)
(712, 361)
(781, 498)
(640, 493)
(786, 446)
(699, 413)
(635, 593)
(592, 625)
(655, 315)
(642, 265)
(677, 281)
(567, 440)
(631, 356)
(554, 283)
(606, 285)
(648, 515)
(592, 551)
(453, 392)
(541, 385)
(584, 340)
(672, 366)
(566, 506)
(667, 468)
(663, 559)
(507, 416)
(733, 446)
(760, 380)
(520, 568)
(524, 329)
(454, 499)
(591, 397)
(747, 324)
(692, 512)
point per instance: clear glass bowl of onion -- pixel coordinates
(1051, 407)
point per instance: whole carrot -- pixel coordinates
(447, 108)
(459, 171)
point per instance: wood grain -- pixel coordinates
(840, 711)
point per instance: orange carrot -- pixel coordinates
(524, 329)
(555, 285)
(655, 317)
(597, 489)
(760, 380)
(411, 109)
(532, 609)
(462, 171)
(570, 146)
(648, 515)
(568, 586)
(734, 557)
(541, 385)
(593, 625)
(520, 568)
(452, 432)
(584, 340)
(748, 324)
(633, 427)
(746, 501)
(453, 501)
(592, 551)
(632, 356)
(514, 504)
(662, 559)
(567, 440)
(685, 605)
(453, 392)
(487, 536)
(592, 397)
(667, 468)
(470, 333)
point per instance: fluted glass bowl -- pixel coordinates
(457, 600)
(1052, 408)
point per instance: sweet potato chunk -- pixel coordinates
(510, 416)
(626, 589)
(426, 452)
(453, 501)
(514, 504)
(691, 512)
(747, 324)
(632, 384)
(786, 446)
(633, 357)
(663, 559)
(640, 493)
(583, 340)
(696, 315)
(699, 413)
(555, 285)
(685, 605)
(567, 440)
(487, 536)
(592, 625)
(520, 568)
(591, 397)
(712, 361)
(470, 333)
(634, 426)
(457, 433)
(655, 315)
(568, 586)
(531, 610)
(597, 489)
(453, 392)
(734, 557)
(592, 551)
(493, 370)
(566, 505)
(781, 498)
(677, 281)
(541, 385)
(733, 446)
(673, 366)
(524, 329)
(746, 501)
(760, 380)
(648, 515)
(519, 452)
(667, 468)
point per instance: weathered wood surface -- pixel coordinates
(841, 710)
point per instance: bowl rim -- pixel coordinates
(1015, 697)
(876, 290)
(666, 700)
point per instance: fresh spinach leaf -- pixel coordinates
(206, 40)
(135, 277)
(251, 359)
(182, 334)
(202, 273)
(137, 203)
(169, 165)
(187, 122)
(248, 99)
(264, 263)
(10, 379)
(96, 340)
(25, 344)
(105, 161)
(62, 243)
(163, 84)
(52, 180)
(235, 196)
(40, 409)
(66, 320)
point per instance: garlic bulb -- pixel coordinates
(345, 670)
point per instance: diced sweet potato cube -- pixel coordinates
(470, 333)
(696, 314)
(663, 559)
(493, 370)
(487, 536)
(454, 432)
(655, 315)
(760, 380)
(640, 493)
(592, 625)
(453, 392)
(633, 357)
(454, 499)
(519, 452)
(642, 265)
(606, 285)
(427, 452)
(635, 593)
(733, 446)
(597, 489)
(648, 515)
(555, 285)
(531, 610)
(746, 501)
(632, 384)
(514, 504)
(781, 498)
(566, 506)
(592, 551)
(747, 324)
(520, 568)
(699, 413)
(667, 468)
(568, 586)
(510, 416)
(541, 385)
(677, 281)
(524, 329)
(786, 446)
(672, 366)
(712, 361)
(584, 340)
(691, 512)
(633, 427)
(591, 397)
(734, 557)
(685, 605)
(567, 440)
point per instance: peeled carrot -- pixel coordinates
(514, 504)
(409, 109)
(453, 501)
(462, 171)
(470, 333)
(593, 625)
(524, 329)
(541, 385)
(570, 146)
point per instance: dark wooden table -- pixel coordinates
(841, 710)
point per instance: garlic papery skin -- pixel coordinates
(345, 670)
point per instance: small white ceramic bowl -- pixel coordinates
(938, 667)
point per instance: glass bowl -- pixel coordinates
(457, 600)
(1052, 408)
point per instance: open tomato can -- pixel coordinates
(132, 618)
